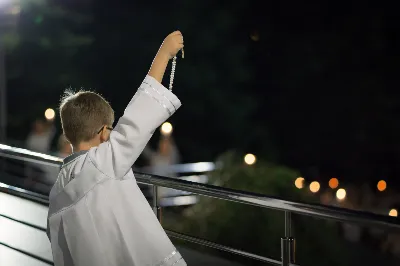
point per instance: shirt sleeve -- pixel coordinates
(150, 106)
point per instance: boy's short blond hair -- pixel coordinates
(83, 114)
(62, 141)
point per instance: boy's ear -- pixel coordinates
(104, 134)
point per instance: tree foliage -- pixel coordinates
(258, 230)
(110, 47)
(47, 46)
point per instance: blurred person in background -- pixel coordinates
(38, 176)
(167, 154)
(41, 136)
(160, 160)
(64, 147)
(49, 174)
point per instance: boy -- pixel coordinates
(97, 215)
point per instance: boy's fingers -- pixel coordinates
(179, 38)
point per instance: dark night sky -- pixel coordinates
(323, 92)
(328, 77)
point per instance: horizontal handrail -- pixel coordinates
(263, 201)
(23, 193)
(194, 171)
(29, 156)
(213, 245)
(53, 161)
(30, 195)
(260, 200)
(182, 168)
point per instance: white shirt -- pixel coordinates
(98, 215)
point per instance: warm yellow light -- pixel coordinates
(49, 114)
(393, 213)
(299, 183)
(381, 185)
(333, 183)
(166, 128)
(341, 194)
(250, 159)
(314, 187)
(255, 36)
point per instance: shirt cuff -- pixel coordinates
(161, 94)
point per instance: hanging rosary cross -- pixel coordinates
(171, 78)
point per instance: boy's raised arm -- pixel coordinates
(150, 106)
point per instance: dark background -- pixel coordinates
(309, 85)
(309, 88)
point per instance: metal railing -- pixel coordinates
(259, 200)
(194, 172)
(41, 175)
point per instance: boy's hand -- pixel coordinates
(172, 44)
(169, 48)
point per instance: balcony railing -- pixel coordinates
(259, 200)
(42, 174)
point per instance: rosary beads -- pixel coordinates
(172, 76)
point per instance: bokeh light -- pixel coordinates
(341, 194)
(250, 159)
(299, 182)
(333, 183)
(314, 187)
(393, 213)
(49, 114)
(166, 128)
(382, 185)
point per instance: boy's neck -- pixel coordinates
(84, 146)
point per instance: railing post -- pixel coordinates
(288, 242)
(156, 207)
